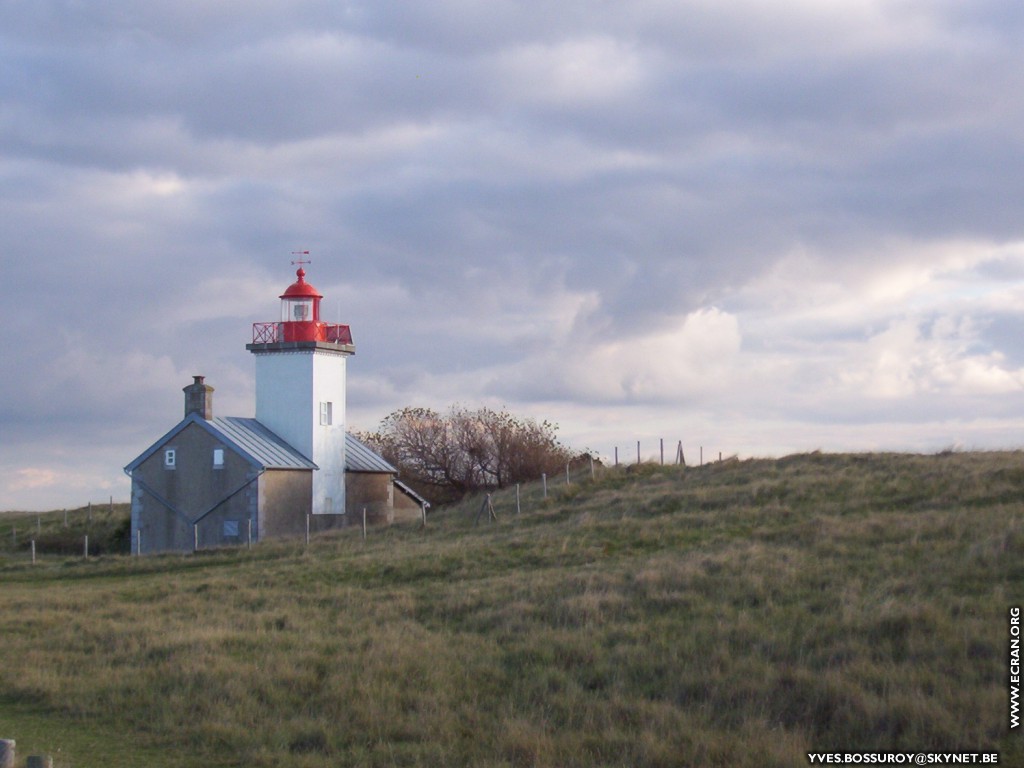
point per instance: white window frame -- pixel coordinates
(326, 413)
(218, 458)
(170, 458)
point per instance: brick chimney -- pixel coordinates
(199, 398)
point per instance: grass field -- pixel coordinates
(737, 614)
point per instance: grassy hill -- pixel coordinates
(736, 614)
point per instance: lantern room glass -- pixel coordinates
(297, 310)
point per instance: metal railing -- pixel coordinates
(273, 333)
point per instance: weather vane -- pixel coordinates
(300, 262)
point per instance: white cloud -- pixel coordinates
(906, 360)
(576, 72)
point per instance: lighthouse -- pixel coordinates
(300, 387)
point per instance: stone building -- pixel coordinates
(215, 481)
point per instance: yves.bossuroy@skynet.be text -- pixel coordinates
(942, 758)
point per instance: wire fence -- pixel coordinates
(99, 529)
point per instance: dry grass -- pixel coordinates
(740, 614)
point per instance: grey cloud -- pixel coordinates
(467, 174)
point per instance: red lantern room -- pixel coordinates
(300, 310)
(300, 320)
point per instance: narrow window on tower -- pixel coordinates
(170, 458)
(326, 413)
(218, 458)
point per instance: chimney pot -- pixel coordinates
(199, 398)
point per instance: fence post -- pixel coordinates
(637, 451)
(661, 441)
(544, 479)
(680, 459)
(195, 537)
(364, 523)
(519, 509)
(33, 551)
(85, 551)
(591, 466)
(616, 455)
(6, 753)
(307, 529)
(567, 473)
(423, 513)
(248, 534)
(138, 543)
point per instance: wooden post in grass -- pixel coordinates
(591, 466)
(616, 455)
(519, 509)
(567, 473)
(33, 551)
(637, 451)
(85, 548)
(490, 510)
(661, 442)
(7, 753)
(195, 537)
(248, 534)
(680, 459)
(307, 530)
(364, 523)
(423, 514)
(544, 479)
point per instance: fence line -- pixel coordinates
(524, 498)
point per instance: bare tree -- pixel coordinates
(446, 456)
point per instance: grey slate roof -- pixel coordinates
(360, 458)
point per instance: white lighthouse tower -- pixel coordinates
(300, 387)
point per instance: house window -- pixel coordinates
(170, 458)
(326, 414)
(230, 529)
(218, 458)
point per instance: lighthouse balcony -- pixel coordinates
(276, 333)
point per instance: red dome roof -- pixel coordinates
(300, 289)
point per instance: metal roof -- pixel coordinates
(360, 458)
(411, 493)
(265, 447)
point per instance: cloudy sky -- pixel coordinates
(756, 226)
